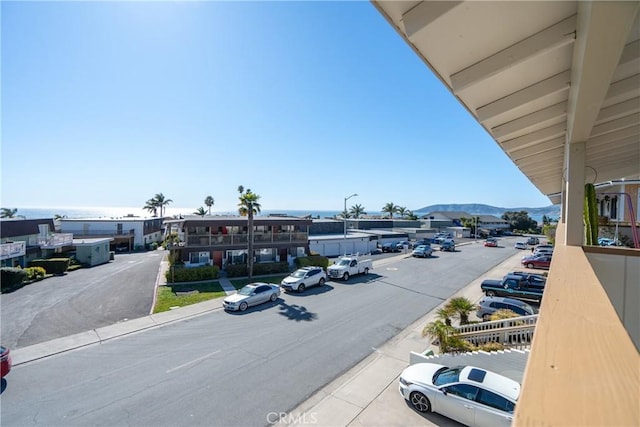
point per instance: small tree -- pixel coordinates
(462, 307)
(440, 331)
(200, 211)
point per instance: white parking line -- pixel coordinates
(193, 362)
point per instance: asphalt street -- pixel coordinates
(236, 369)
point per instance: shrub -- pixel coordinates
(491, 346)
(237, 270)
(315, 260)
(196, 274)
(11, 277)
(240, 270)
(52, 265)
(35, 273)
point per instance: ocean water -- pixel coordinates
(118, 212)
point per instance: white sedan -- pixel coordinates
(469, 395)
(520, 245)
(251, 294)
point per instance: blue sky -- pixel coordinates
(305, 103)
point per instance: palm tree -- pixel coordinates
(345, 214)
(439, 331)
(208, 201)
(445, 313)
(401, 210)
(248, 206)
(200, 211)
(462, 307)
(8, 213)
(151, 206)
(390, 208)
(357, 210)
(410, 215)
(161, 202)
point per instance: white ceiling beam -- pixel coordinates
(552, 85)
(596, 54)
(616, 135)
(423, 14)
(630, 53)
(622, 144)
(624, 88)
(554, 37)
(534, 137)
(537, 148)
(628, 169)
(544, 117)
(542, 159)
(619, 110)
(617, 124)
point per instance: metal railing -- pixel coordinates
(12, 250)
(242, 239)
(55, 240)
(514, 332)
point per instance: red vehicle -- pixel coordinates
(5, 361)
(537, 261)
(491, 242)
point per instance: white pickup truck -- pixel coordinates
(348, 266)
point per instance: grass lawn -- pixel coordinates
(181, 295)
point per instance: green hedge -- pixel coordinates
(11, 277)
(52, 265)
(195, 274)
(35, 273)
(240, 270)
(315, 260)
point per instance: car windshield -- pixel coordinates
(344, 262)
(447, 375)
(298, 273)
(247, 290)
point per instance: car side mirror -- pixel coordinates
(444, 390)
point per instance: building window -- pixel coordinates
(266, 255)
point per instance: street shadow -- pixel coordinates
(315, 290)
(359, 279)
(3, 385)
(257, 308)
(296, 312)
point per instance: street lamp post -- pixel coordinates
(344, 214)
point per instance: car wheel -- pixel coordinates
(345, 277)
(420, 402)
(486, 317)
(243, 306)
(321, 282)
(366, 271)
(274, 296)
(301, 288)
(530, 265)
(491, 294)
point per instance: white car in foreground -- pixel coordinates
(520, 245)
(251, 294)
(469, 395)
(304, 278)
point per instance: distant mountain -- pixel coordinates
(552, 211)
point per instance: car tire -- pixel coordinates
(274, 297)
(491, 294)
(321, 282)
(243, 306)
(530, 265)
(486, 317)
(420, 402)
(301, 288)
(366, 271)
(345, 277)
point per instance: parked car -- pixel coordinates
(250, 295)
(442, 236)
(520, 245)
(421, 242)
(390, 247)
(537, 261)
(531, 278)
(448, 245)
(469, 395)
(543, 251)
(489, 305)
(533, 241)
(491, 242)
(402, 244)
(304, 278)
(513, 286)
(5, 361)
(422, 251)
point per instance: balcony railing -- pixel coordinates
(55, 240)
(242, 239)
(12, 250)
(103, 233)
(514, 332)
